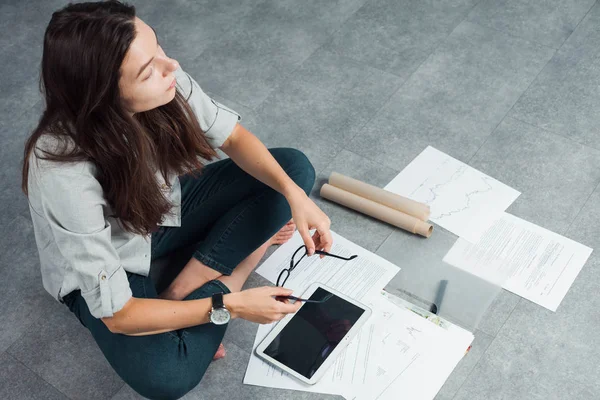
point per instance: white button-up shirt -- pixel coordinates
(81, 246)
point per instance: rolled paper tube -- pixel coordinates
(376, 210)
(381, 196)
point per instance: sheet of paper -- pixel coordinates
(436, 366)
(424, 379)
(445, 352)
(524, 258)
(366, 274)
(462, 199)
(403, 341)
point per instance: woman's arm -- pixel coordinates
(251, 155)
(140, 317)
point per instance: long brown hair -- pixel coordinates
(84, 47)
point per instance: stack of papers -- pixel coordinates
(519, 256)
(396, 345)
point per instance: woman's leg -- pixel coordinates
(231, 215)
(163, 366)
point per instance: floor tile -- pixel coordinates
(555, 175)
(455, 99)
(13, 134)
(584, 230)
(319, 153)
(512, 370)
(465, 366)
(327, 96)
(199, 24)
(565, 98)
(21, 25)
(21, 291)
(18, 382)
(361, 229)
(539, 354)
(567, 337)
(498, 312)
(267, 44)
(21, 91)
(546, 22)
(397, 36)
(63, 353)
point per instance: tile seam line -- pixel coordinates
(513, 106)
(437, 46)
(39, 376)
(512, 35)
(495, 337)
(319, 47)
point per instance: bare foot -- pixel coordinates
(220, 352)
(284, 234)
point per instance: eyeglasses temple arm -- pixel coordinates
(333, 255)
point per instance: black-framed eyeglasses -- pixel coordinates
(285, 273)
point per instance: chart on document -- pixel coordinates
(462, 199)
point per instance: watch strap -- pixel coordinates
(217, 300)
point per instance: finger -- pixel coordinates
(316, 237)
(326, 239)
(279, 291)
(310, 245)
(318, 244)
(289, 308)
(279, 317)
(287, 228)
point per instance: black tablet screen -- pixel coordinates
(312, 334)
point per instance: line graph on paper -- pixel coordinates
(438, 191)
(462, 199)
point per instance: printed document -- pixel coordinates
(462, 199)
(526, 259)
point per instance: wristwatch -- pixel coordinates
(219, 315)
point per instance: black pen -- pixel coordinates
(304, 300)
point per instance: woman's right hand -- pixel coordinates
(259, 304)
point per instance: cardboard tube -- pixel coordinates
(381, 196)
(376, 210)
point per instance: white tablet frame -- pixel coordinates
(334, 354)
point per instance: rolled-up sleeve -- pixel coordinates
(216, 120)
(73, 203)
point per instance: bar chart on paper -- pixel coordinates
(462, 199)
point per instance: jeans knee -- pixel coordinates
(297, 165)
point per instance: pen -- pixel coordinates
(304, 300)
(435, 306)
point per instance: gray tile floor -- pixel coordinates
(511, 87)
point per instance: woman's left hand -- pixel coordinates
(307, 215)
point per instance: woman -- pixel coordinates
(114, 177)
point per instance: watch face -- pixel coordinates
(220, 316)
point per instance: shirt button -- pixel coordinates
(146, 255)
(103, 277)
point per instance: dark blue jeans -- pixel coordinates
(229, 215)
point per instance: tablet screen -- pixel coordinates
(313, 332)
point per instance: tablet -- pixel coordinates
(306, 343)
